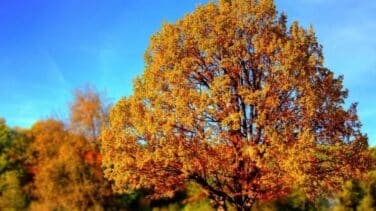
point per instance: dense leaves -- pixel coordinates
(63, 176)
(239, 103)
(55, 166)
(235, 109)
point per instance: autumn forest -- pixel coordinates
(235, 110)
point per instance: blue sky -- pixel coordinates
(48, 48)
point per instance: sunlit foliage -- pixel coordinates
(238, 102)
(64, 178)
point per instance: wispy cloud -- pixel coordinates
(55, 71)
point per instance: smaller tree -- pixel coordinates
(369, 200)
(351, 196)
(12, 196)
(65, 172)
(88, 112)
(360, 195)
(13, 175)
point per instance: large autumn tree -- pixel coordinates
(235, 100)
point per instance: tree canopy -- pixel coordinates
(238, 102)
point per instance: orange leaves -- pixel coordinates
(234, 102)
(93, 158)
(66, 168)
(88, 113)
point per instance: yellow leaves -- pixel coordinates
(220, 89)
(253, 151)
(226, 64)
(232, 121)
(312, 61)
(88, 112)
(118, 115)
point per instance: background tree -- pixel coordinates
(350, 197)
(88, 112)
(13, 174)
(238, 102)
(358, 195)
(64, 175)
(369, 190)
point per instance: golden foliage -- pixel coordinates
(88, 112)
(63, 177)
(235, 101)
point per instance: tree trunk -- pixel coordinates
(219, 205)
(244, 208)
